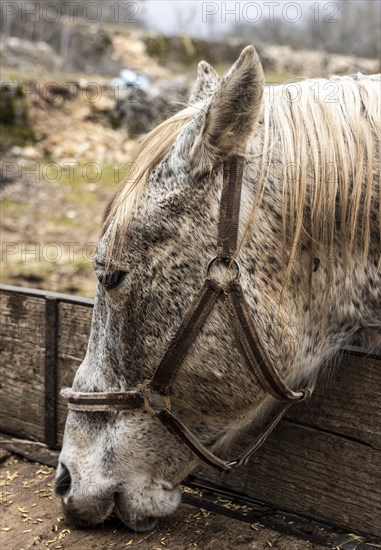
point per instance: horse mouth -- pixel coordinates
(138, 512)
(82, 518)
(144, 518)
(139, 525)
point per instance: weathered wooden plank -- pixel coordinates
(23, 358)
(22, 364)
(34, 451)
(73, 331)
(313, 473)
(39, 293)
(349, 403)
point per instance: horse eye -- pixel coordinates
(110, 279)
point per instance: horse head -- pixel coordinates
(150, 262)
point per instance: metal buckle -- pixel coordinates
(227, 263)
(154, 403)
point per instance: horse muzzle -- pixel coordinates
(88, 504)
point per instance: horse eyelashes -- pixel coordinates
(111, 279)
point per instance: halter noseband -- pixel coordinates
(154, 395)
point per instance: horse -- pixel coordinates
(308, 255)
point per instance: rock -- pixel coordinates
(21, 53)
(53, 45)
(30, 152)
(141, 110)
(181, 48)
(284, 60)
(16, 151)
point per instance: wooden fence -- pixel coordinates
(323, 461)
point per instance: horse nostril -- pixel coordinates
(63, 481)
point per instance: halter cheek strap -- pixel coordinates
(154, 395)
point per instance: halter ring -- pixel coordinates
(227, 263)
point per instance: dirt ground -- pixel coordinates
(32, 518)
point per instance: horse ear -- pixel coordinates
(230, 117)
(206, 84)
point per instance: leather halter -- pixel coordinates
(154, 395)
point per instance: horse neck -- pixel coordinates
(300, 323)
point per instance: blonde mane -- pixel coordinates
(328, 133)
(329, 137)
